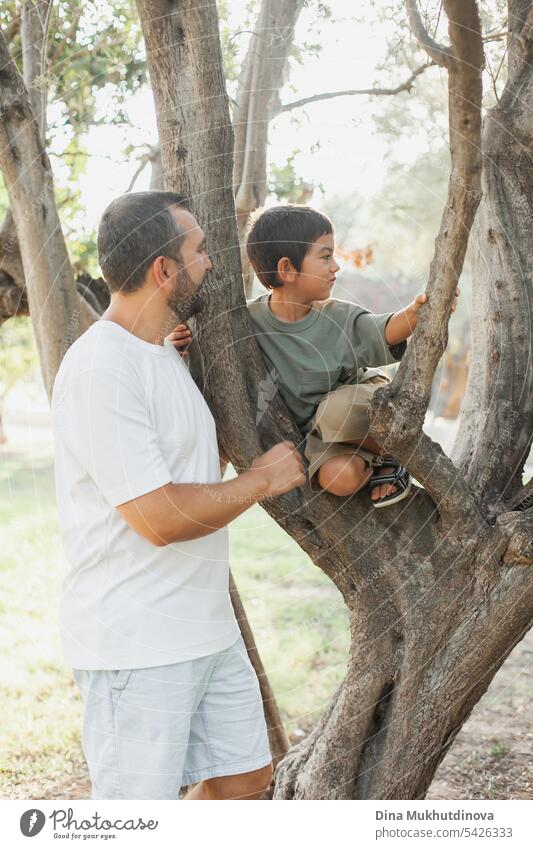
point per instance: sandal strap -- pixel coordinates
(400, 478)
(382, 460)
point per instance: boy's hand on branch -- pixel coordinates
(422, 299)
(181, 337)
(402, 324)
(419, 301)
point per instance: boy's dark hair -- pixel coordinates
(287, 230)
(135, 229)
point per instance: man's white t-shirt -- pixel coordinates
(128, 419)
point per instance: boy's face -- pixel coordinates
(316, 277)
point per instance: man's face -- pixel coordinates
(319, 267)
(184, 299)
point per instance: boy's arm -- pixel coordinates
(181, 338)
(402, 324)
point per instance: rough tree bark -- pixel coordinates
(436, 594)
(497, 412)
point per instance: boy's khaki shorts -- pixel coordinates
(341, 415)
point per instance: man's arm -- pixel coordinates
(222, 458)
(178, 512)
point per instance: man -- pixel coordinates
(146, 618)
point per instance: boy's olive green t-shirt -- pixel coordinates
(335, 344)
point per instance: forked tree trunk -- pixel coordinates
(435, 588)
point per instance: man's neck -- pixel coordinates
(286, 307)
(139, 317)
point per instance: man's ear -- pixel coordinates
(286, 270)
(161, 271)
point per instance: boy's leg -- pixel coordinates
(342, 417)
(344, 475)
(386, 489)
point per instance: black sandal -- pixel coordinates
(400, 478)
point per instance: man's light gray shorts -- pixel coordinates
(148, 731)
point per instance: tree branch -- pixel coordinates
(518, 528)
(12, 28)
(144, 159)
(399, 409)
(521, 500)
(35, 21)
(406, 86)
(440, 54)
(260, 81)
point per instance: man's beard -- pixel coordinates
(185, 300)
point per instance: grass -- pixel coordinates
(297, 615)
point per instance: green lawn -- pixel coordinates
(297, 615)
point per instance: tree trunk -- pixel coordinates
(497, 410)
(436, 594)
(59, 315)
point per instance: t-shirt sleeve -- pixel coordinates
(104, 420)
(370, 345)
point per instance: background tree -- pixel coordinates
(67, 54)
(436, 591)
(17, 357)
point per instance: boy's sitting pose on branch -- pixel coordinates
(321, 352)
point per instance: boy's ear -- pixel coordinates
(286, 270)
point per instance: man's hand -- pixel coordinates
(178, 512)
(278, 470)
(181, 337)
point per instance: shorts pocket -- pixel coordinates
(121, 678)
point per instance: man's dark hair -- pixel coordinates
(287, 230)
(135, 229)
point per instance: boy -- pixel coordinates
(321, 352)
